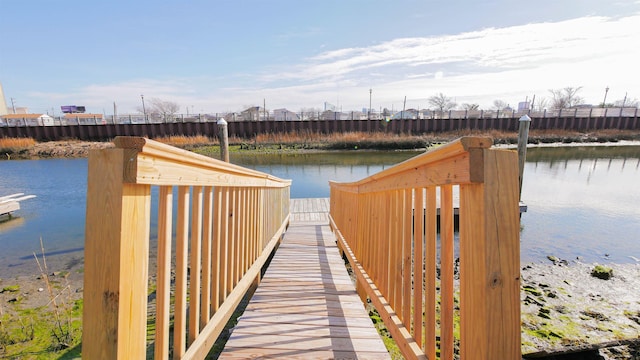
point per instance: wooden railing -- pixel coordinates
(397, 230)
(228, 221)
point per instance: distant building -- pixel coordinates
(284, 115)
(255, 113)
(27, 120)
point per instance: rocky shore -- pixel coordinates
(56, 149)
(565, 305)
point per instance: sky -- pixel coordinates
(226, 55)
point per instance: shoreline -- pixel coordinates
(333, 142)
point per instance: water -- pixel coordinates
(582, 201)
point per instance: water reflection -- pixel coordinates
(582, 203)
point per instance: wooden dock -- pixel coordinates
(11, 203)
(306, 306)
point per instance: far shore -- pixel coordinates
(293, 142)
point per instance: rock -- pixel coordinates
(602, 272)
(531, 300)
(40, 289)
(544, 313)
(11, 288)
(561, 309)
(594, 315)
(532, 290)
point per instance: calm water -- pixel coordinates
(583, 201)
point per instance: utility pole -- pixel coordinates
(604, 102)
(144, 111)
(13, 105)
(369, 112)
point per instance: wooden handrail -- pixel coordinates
(228, 220)
(387, 225)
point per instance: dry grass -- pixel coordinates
(181, 140)
(16, 143)
(315, 137)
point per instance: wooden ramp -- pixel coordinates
(306, 306)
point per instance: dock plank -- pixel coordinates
(306, 306)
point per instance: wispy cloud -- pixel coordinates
(480, 66)
(525, 46)
(590, 51)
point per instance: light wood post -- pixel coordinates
(490, 261)
(116, 260)
(523, 138)
(223, 136)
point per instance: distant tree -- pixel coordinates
(160, 108)
(565, 98)
(470, 107)
(626, 102)
(441, 102)
(540, 104)
(500, 104)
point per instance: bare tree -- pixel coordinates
(500, 104)
(565, 98)
(161, 108)
(626, 102)
(540, 104)
(441, 102)
(470, 107)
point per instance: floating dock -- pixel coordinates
(11, 203)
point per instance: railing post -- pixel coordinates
(116, 260)
(490, 261)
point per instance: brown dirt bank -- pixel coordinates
(77, 148)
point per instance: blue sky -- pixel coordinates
(225, 55)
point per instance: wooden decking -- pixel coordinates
(306, 306)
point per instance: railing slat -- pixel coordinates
(182, 263)
(407, 256)
(225, 246)
(396, 264)
(385, 244)
(430, 272)
(195, 263)
(446, 272)
(418, 241)
(218, 252)
(207, 256)
(165, 214)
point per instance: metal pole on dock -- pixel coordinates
(523, 137)
(223, 136)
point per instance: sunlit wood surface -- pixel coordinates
(306, 306)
